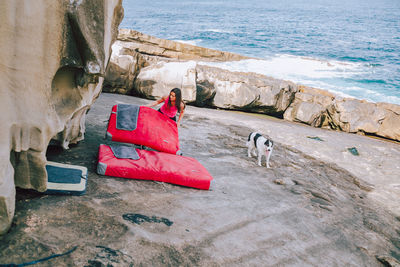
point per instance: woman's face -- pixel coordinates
(172, 96)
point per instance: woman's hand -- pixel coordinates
(157, 102)
(180, 115)
(152, 104)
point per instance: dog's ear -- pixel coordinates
(269, 143)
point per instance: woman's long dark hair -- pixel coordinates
(178, 98)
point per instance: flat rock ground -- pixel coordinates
(319, 205)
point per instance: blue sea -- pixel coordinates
(348, 47)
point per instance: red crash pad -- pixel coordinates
(156, 166)
(152, 129)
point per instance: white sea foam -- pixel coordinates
(293, 67)
(327, 75)
(352, 92)
(191, 42)
(217, 31)
(325, 86)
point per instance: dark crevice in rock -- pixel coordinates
(77, 42)
(139, 219)
(205, 93)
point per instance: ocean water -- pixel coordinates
(348, 47)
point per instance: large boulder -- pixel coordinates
(390, 125)
(53, 57)
(244, 91)
(158, 79)
(320, 108)
(120, 72)
(356, 116)
(310, 107)
(123, 68)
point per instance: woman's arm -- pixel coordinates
(183, 106)
(157, 102)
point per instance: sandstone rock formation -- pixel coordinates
(309, 106)
(158, 79)
(134, 50)
(322, 109)
(150, 45)
(53, 58)
(243, 91)
(149, 67)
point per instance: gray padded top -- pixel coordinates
(124, 152)
(127, 116)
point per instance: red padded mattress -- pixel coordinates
(151, 129)
(156, 166)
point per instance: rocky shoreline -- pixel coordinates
(147, 66)
(317, 205)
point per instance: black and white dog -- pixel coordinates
(263, 146)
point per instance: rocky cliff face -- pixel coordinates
(149, 67)
(53, 58)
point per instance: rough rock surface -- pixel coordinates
(243, 91)
(53, 56)
(149, 67)
(310, 106)
(154, 46)
(157, 80)
(318, 205)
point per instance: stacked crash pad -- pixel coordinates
(144, 126)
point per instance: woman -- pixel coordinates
(172, 104)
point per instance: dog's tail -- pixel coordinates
(248, 138)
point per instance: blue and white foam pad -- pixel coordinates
(65, 179)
